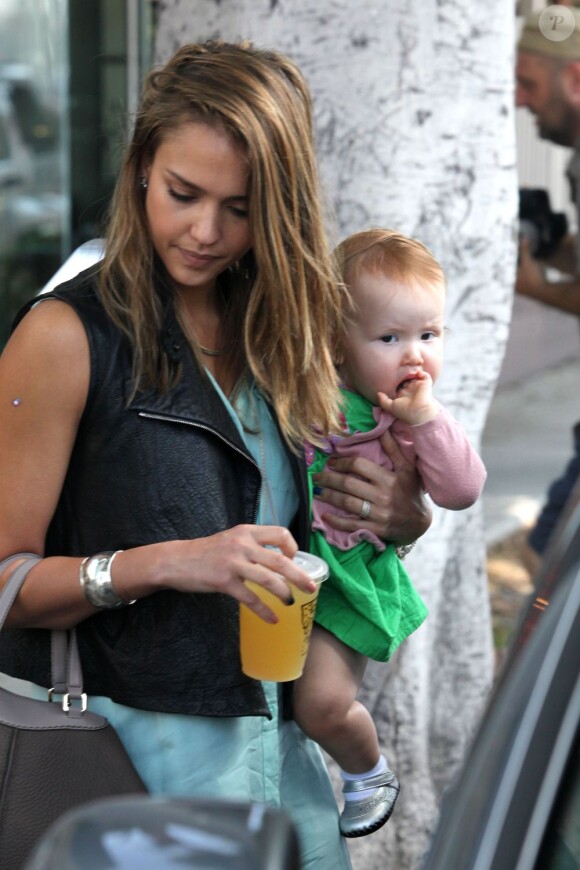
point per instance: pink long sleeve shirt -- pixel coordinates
(451, 471)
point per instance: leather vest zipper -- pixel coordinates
(167, 419)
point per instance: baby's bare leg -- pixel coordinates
(325, 704)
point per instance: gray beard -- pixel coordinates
(566, 132)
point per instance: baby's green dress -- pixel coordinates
(368, 601)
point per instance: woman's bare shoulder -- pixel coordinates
(48, 351)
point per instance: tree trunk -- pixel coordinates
(414, 119)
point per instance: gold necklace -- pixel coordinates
(208, 351)
(189, 329)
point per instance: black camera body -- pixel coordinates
(543, 228)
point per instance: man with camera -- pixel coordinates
(548, 85)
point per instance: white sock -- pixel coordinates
(379, 767)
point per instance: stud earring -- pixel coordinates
(143, 182)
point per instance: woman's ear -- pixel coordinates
(144, 171)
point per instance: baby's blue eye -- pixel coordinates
(389, 339)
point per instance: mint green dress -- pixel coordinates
(246, 758)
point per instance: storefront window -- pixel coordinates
(69, 71)
(33, 184)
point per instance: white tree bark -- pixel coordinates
(414, 118)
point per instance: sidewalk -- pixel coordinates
(526, 443)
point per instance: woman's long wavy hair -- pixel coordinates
(286, 291)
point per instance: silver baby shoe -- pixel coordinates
(362, 817)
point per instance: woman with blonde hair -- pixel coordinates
(152, 412)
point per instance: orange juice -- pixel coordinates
(278, 652)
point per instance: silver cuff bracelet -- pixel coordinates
(96, 582)
(404, 550)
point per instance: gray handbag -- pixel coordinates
(54, 754)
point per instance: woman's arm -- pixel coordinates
(44, 376)
(44, 381)
(398, 509)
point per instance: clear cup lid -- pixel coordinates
(316, 567)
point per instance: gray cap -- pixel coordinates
(534, 40)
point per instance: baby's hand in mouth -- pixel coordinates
(412, 381)
(413, 402)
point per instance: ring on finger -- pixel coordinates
(365, 510)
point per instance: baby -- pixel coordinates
(389, 359)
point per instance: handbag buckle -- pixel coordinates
(66, 702)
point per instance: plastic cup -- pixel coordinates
(278, 651)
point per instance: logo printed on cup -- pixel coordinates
(307, 618)
(307, 614)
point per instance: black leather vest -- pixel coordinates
(164, 467)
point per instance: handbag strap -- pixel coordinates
(12, 586)
(66, 671)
